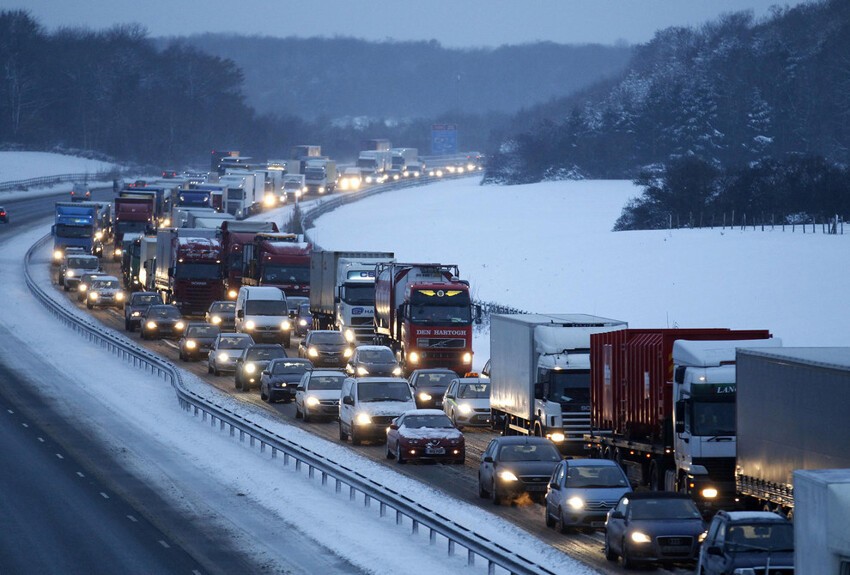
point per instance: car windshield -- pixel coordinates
(262, 353)
(595, 476)
(435, 379)
(420, 421)
(83, 263)
(384, 391)
(761, 537)
(376, 356)
(329, 382)
(146, 299)
(234, 342)
(664, 509)
(107, 284)
(265, 307)
(164, 312)
(304, 309)
(529, 452)
(202, 331)
(284, 367)
(327, 337)
(474, 391)
(223, 306)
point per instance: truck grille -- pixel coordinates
(440, 343)
(362, 321)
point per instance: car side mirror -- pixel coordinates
(266, 372)
(450, 396)
(393, 426)
(714, 550)
(240, 314)
(299, 388)
(488, 459)
(348, 400)
(617, 515)
(554, 485)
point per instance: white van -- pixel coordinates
(368, 405)
(261, 311)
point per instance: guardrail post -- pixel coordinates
(311, 471)
(491, 568)
(297, 464)
(383, 509)
(367, 500)
(324, 478)
(285, 458)
(398, 517)
(432, 536)
(351, 492)
(415, 529)
(451, 548)
(470, 558)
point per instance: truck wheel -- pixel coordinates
(354, 439)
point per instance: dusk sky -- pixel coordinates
(453, 23)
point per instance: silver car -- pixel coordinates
(582, 491)
(225, 351)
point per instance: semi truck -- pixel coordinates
(74, 226)
(540, 375)
(342, 292)
(188, 268)
(425, 314)
(378, 144)
(243, 193)
(234, 235)
(405, 158)
(663, 406)
(320, 176)
(132, 216)
(792, 415)
(294, 185)
(147, 262)
(278, 260)
(194, 197)
(160, 196)
(373, 163)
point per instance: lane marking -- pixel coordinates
(41, 439)
(164, 544)
(104, 495)
(133, 519)
(59, 455)
(25, 425)
(80, 474)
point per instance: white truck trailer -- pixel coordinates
(320, 176)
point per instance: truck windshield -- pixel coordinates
(66, 231)
(569, 388)
(197, 271)
(266, 307)
(130, 227)
(359, 294)
(314, 173)
(440, 314)
(367, 163)
(286, 274)
(711, 418)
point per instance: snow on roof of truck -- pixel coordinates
(834, 357)
(199, 242)
(714, 352)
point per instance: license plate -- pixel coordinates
(535, 488)
(597, 524)
(435, 451)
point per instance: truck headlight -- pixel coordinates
(425, 396)
(250, 368)
(98, 235)
(302, 322)
(118, 251)
(119, 296)
(413, 357)
(232, 294)
(557, 437)
(349, 335)
(363, 419)
(507, 476)
(69, 274)
(709, 492)
(312, 401)
(82, 287)
(467, 358)
(465, 409)
(58, 255)
(250, 325)
(136, 314)
(640, 537)
(93, 295)
(576, 502)
(190, 344)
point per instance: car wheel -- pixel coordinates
(209, 368)
(131, 327)
(560, 526)
(65, 286)
(182, 356)
(627, 561)
(482, 493)
(306, 415)
(494, 494)
(237, 383)
(609, 554)
(216, 370)
(343, 436)
(88, 305)
(287, 340)
(298, 413)
(263, 395)
(461, 461)
(550, 521)
(354, 439)
(398, 457)
(389, 453)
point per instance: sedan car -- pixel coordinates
(429, 386)
(513, 465)
(467, 401)
(222, 313)
(226, 348)
(105, 291)
(253, 360)
(325, 347)
(425, 434)
(85, 282)
(136, 305)
(197, 340)
(4, 215)
(582, 491)
(162, 320)
(317, 394)
(303, 319)
(373, 361)
(281, 377)
(653, 527)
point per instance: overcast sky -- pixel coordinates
(453, 23)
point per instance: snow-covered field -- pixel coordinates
(26, 165)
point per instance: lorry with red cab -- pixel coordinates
(234, 235)
(188, 268)
(133, 215)
(425, 314)
(663, 406)
(279, 260)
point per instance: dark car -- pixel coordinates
(582, 491)
(373, 361)
(325, 347)
(4, 215)
(303, 319)
(425, 434)
(281, 377)
(223, 314)
(162, 320)
(429, 386)
(317, 394)
(226, 350)
(197, 340)
(253, 360)
(516, 464)
(136, 305)
(746, 542)
(653, 527)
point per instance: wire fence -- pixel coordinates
(48, 181)
(802, 223)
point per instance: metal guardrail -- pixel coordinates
(476, 545)
(46, 181)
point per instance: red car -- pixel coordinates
(425, 434)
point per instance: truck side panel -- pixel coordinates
(511, 366)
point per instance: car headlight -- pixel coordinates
(744, 571)
(709, 492)
(191, 344)
(136, 314)
(425, 396)
(348, 352)
(250, 325)
(640, 537)
(349, 335)
(702, 536)
(302, 322)
(363, 419)
(312, 401)
(118, 251)
(465, 409)
(313, 352)
(397, 371)
(507, 476)
(576, 502)
(413, 357)
(69, 274)
(93, 295)
(467, 358)
(166, 222)
(98, 235)
(223, 357)
(286, 325)
(82, 287)
(216, 320)
(362, 370)
(250, 368)
(179, 325)
(119, 296)
(232, 294)
(151, 325)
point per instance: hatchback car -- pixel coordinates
(653, 527)
(162, 320)
(303, 319)
(513, 465)
(582, 491)
(222, 313)
(317, 394)
(4, 215)
(425, 434)
(281, 377)
(429, 386)
(85, 282)
(325, 347)
(135, 306)
(105, 291)
(226, 348)
(373, 361)
(74, 266)
(197, 340)
(747, 542)
(253, 360)
(467, 401)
